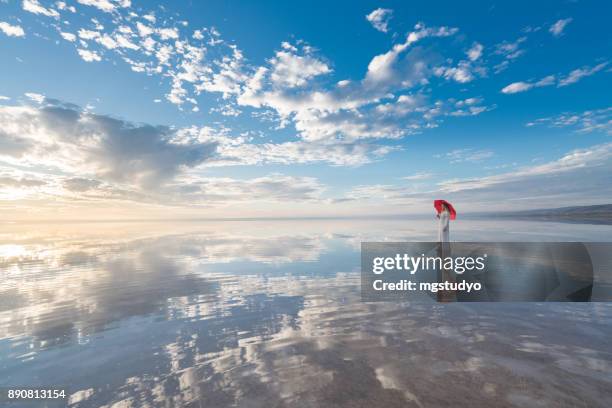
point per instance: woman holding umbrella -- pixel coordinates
(446, 212)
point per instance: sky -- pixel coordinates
(141, 109)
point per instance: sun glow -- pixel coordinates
(8, 251)
(10, 194)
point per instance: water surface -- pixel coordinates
(264, 314)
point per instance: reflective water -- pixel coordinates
(262, 314)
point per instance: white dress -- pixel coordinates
(443, 221)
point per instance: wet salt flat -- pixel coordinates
(260, 314)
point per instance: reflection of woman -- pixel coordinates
(446, 212)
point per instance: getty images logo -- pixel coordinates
(412, 264)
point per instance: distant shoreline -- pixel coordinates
(592, 214)
(595, 219)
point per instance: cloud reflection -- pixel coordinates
(193, 316)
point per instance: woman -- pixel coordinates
(446, 212)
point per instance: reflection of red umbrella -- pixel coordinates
(438, 207)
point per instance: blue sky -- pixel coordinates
(320, 108)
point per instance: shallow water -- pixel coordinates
(269, 314)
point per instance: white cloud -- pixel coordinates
(77, 142)
(381, 67)
(63, 6)
(557, 28)
(97, 157)
(469, 107)
(290, 70)
(144, 30)
(88, 34)
(79, 184)
(293, 87)
(546, 81)
(379, 19)
(36, 97)
(11, 30)
(573, 77)
(465, 70)
(168, 33)
(10, 181)
(107, 41)
(226, 77)
(68, 36)
(598, 120)
(203, 62)
(591, 157)
(236, 151)
(272, 188)
(517, 87)
(402, 106)
(577, 74)
(509, 51)
(107, 6)
(462, 73)
(141, 159)
(418, 176)
(98, 25)
(466, 155)
(336, 154)
(475, 52)
(89, 56)
(123, 42)
(367, 109)
(580, 177)
(227, 110)
(33, 6)
(468, 102)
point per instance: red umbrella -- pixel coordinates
(438, 207)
